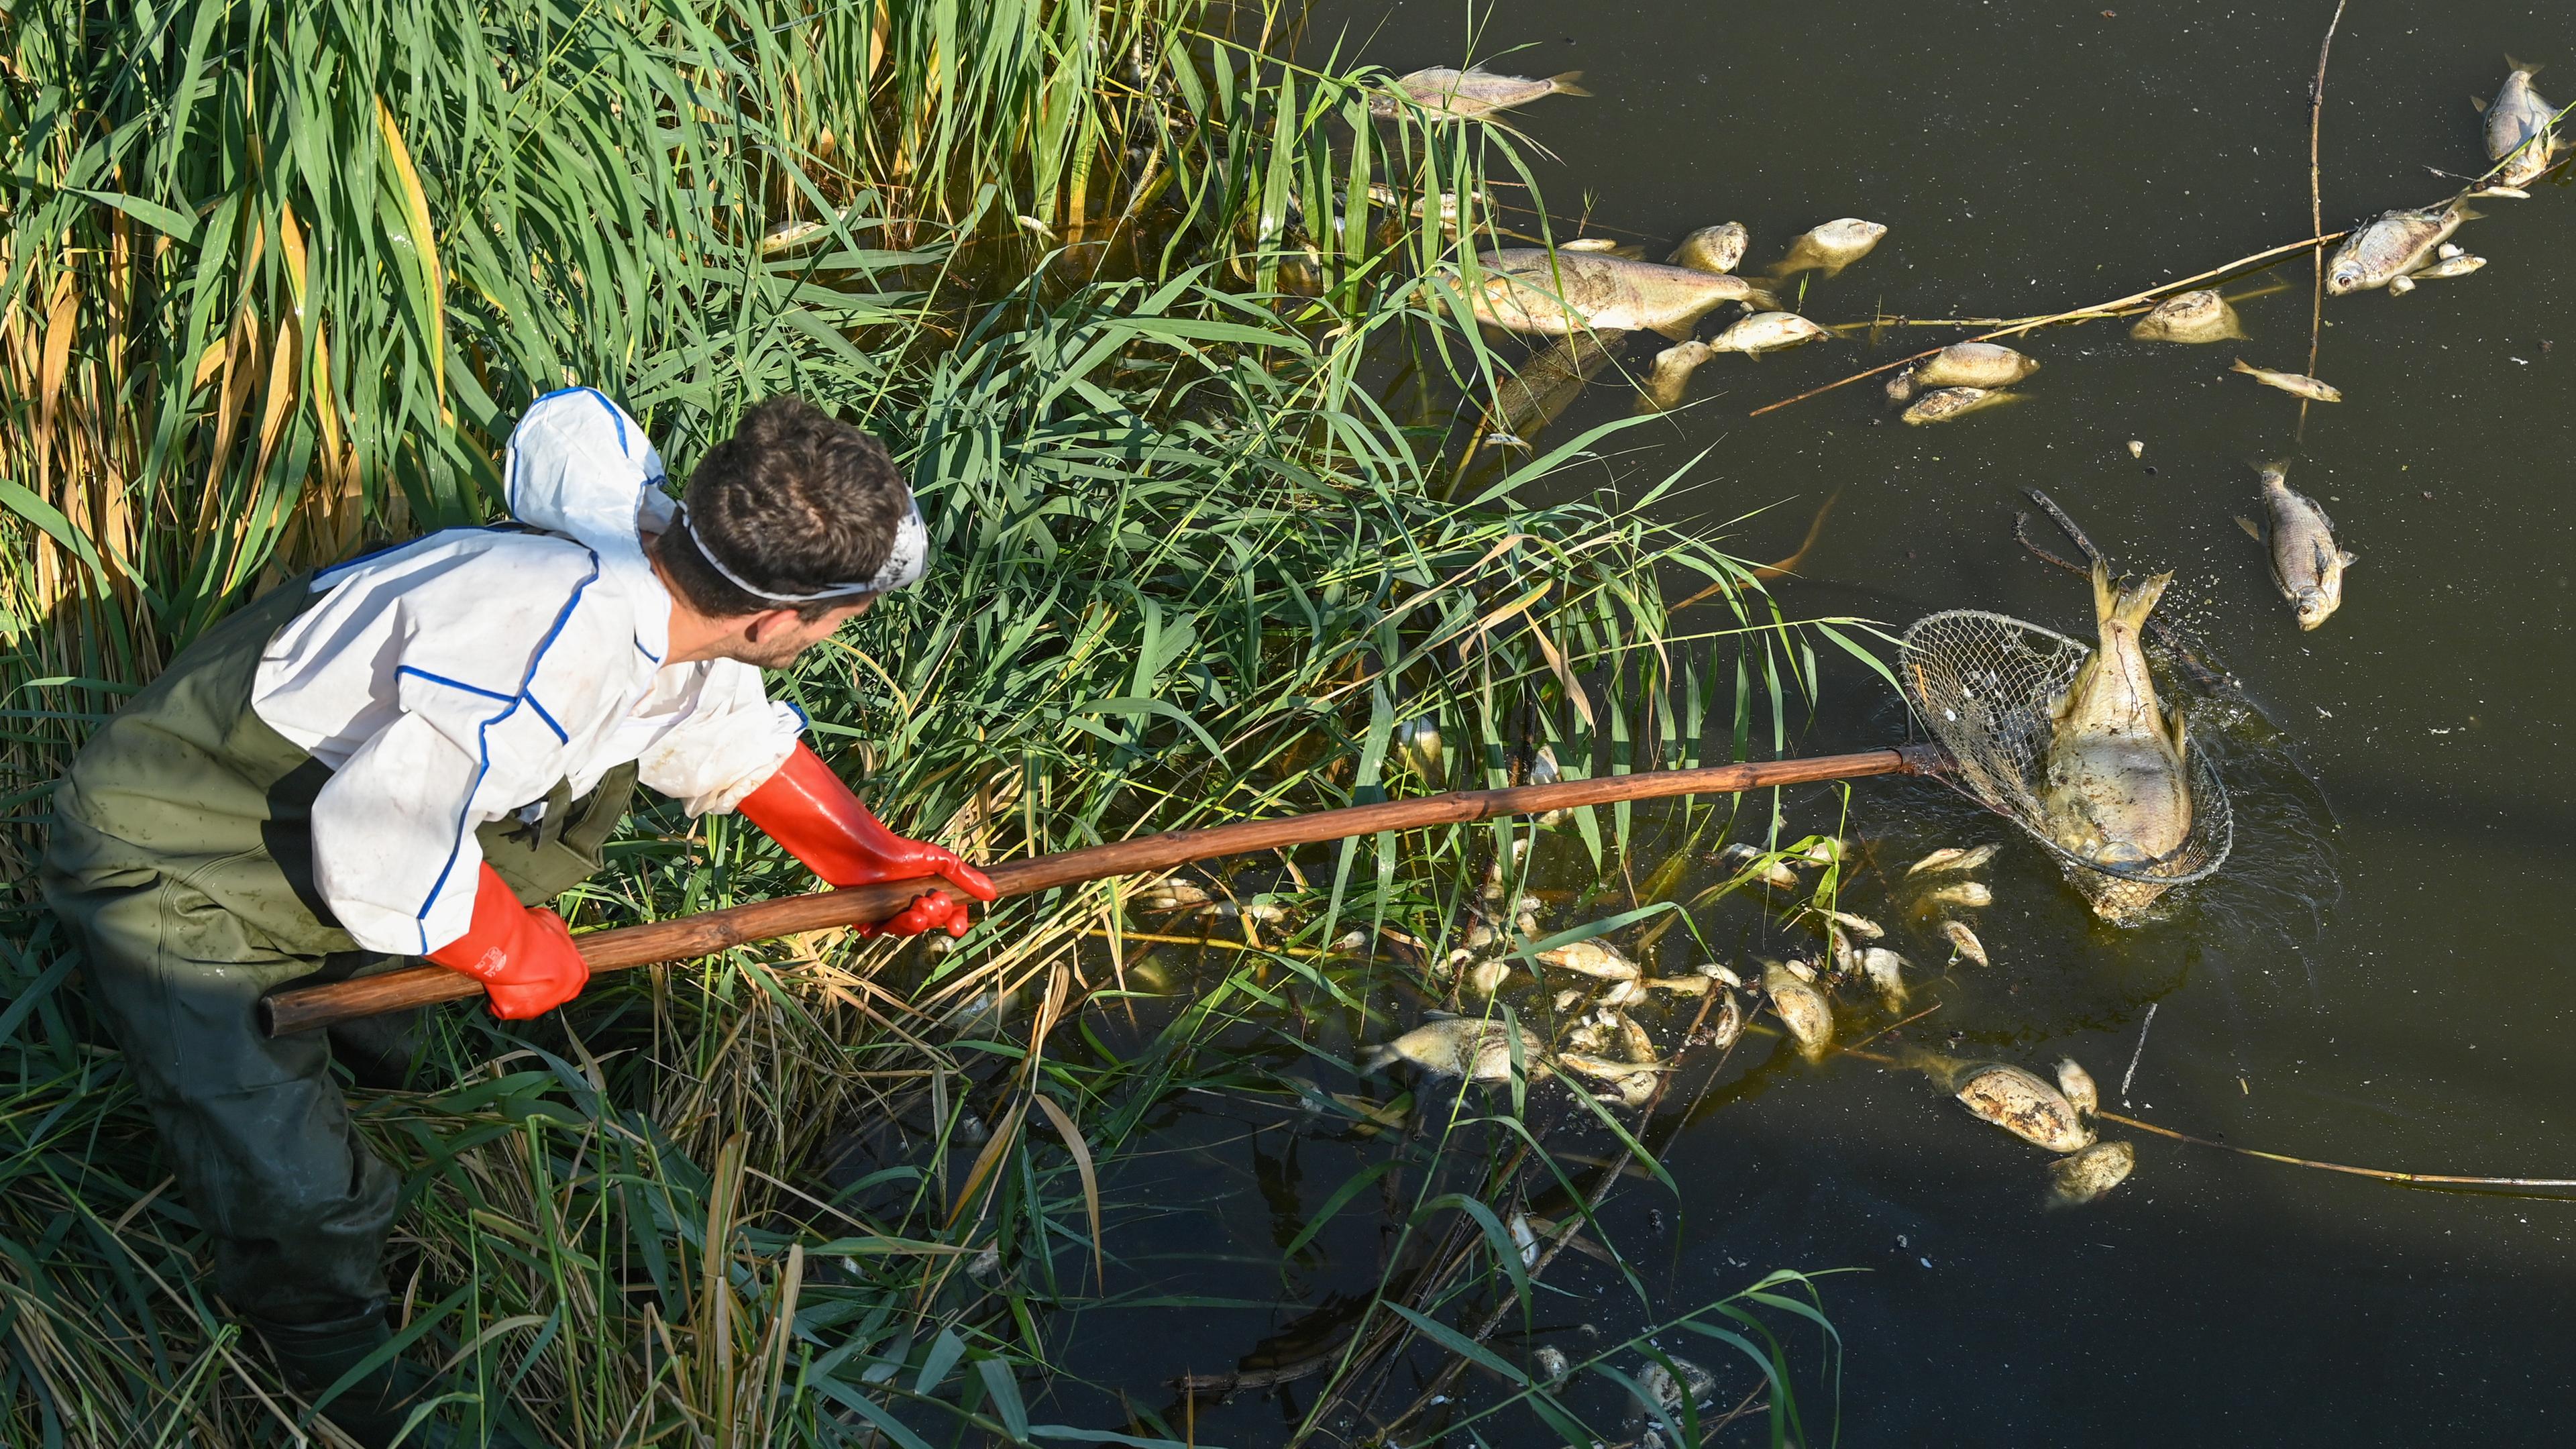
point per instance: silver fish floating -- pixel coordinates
(1552, 294)
(1767, 332)
(1452, 94)
(1802, 1009)
(2307, 565)
(1669, 382)
(2398, 242)
(1713, 249)
(1952, 858)
(2202, 316)
(1943, 404)
(1831, 247)
(1458, 1046)
(2295, 383)
(1963, 364)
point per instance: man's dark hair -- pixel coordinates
(794, 502)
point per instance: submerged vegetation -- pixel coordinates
(1111, 277)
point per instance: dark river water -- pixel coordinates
(2382, 976)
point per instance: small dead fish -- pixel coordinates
(1767, 332)
(1548, 1365)
(1823, 850)
(1965, 942)
(1964, 364)
(1713, 248)
(1886, 972)
(1487, 977)
(1716, 972)
(2023, 1105)
(2189, 317)
(2443, 270)
(1680, 985)
(1446, 206)
(1831, 247)
(1802, 1009)
(1172, 895)
(1954, 858)
(1663, 1392)
(1943, 404)
(1592, 958)
(1454, 94)
(2077, 1085)
(1621, 993)
(2398, 242)
(2090, 1173)
(1417, 744)
(2518, 117)
(1666, 386)
(1633, 1039)
(2290, 382)
(1457, 1046)
(1568, 999)
(1523, 1238)
(2307, 566)
(1860, 926)
(1965, 895)
(1727, 1023)
(1775, 874)
(1634, 1083)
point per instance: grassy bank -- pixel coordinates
(278, 280)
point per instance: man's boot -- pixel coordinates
(372, 1410)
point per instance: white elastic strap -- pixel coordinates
(903, 566)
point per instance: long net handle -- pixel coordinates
(310, 1008)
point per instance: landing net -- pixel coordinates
(1988, 687)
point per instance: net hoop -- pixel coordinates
(1987, 686)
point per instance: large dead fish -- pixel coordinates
(2307, 567)
(1767, 332)
(1552, 294)
(1456, 94)
(1479, 1050)
(2378, 252)
(2018, 1101)
(2116, 790)
(1548, 383)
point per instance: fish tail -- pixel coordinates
(2132, 606)
(2243, 366)
(1376, 1057)
(2520, 67)
(1564, 83)
(1761, 298)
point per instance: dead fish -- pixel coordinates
(2077, 1086)
(1963, 364)
(1954, 858)
(1568, 999)
(2189, 317)
(1605, 246)
(2023, 1105)
(1417, 744)
(1966, 895)
(1823, 850)
(2090, 1173)
(1943, 404)
(1775, 874)
(1861, 926)
(1831, 247)
(1523, 1238)
(1172, 895)
(1660, 1391)
(2290, 382)
(1543, 387)
(2443, 270)
(1457, 1046)
(2307, 566)
(1713, 248)
(1886, 972)
(1635, 1084)
(1621, 993)
(1665, 387)
(1726, 1023)
(1447, 206)
(2398, 242)
(1795, 967)
(1767, 332)
(1487, 977)
(1592, 958)
(1717, 972)
(1802, 1009)
(1452, 94)
(2519, 125)
(1633, 1039)
(1549, 1365)
(1680, 985)
(1965, 942)
(1552, 294)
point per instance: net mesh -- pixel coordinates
(1988, 686)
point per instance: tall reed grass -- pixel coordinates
(275, 281)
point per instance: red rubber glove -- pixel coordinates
(523, 955)
(807, 809)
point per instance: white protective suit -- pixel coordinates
(455, 679)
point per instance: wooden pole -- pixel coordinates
(310, 1008)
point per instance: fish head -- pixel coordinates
(2345, 278)
(2313, 606)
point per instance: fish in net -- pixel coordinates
(1988, 687)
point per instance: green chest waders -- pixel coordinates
(182, 857)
